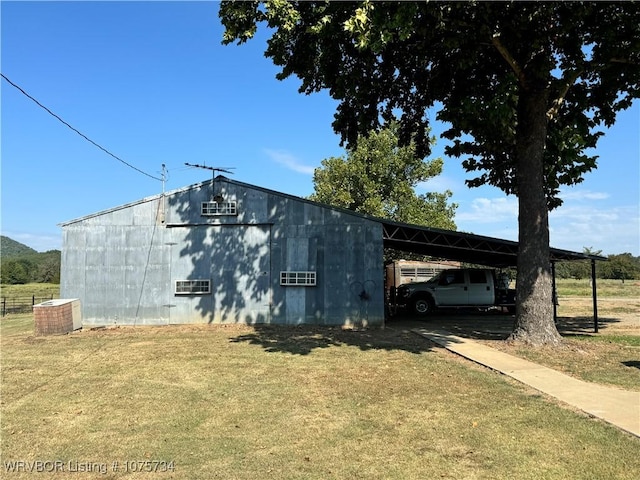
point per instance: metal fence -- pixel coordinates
(21, 304)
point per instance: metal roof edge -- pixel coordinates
(221, 178)
(346, 211)
(130, 204)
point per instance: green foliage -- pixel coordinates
(480, 59)
(378, 177)
(16, 271)
(525, 86)
(22, 264)
(623, 266)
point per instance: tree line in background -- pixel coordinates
(22, 264)
(33, 268)
(623, 266)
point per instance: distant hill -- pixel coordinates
(23, 264)
(10, 248)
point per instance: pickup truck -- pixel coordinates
(457, 288)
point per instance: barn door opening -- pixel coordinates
(241, 273)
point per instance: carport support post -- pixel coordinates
(554, 293)
(595, 298)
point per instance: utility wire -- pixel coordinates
(77, 131)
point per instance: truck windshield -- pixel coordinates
(435, 280)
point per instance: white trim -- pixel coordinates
(304, 279)
(193, 287)
(215, 209)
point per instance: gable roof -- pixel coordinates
(447, 244)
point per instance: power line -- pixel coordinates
(77, 131)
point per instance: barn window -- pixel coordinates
(193, 287)
(298, 278)
(211, 209)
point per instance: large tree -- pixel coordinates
(378, 177)
(524, 86)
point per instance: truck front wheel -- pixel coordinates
(423, 306)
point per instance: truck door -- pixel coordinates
(452, 288)
(480, 288)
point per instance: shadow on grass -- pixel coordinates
(495, 325)
(632, 363)
(475, 325)
(303, 340)
(567, 325)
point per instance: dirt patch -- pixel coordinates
(614, 315)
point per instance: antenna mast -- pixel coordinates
(163, 177)
(213, 169)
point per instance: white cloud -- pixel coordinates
(582, 221)
(489, 210)
(612, 230)
(289, 161)
(580, 195)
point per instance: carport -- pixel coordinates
(477, 249)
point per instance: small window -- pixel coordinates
(451, 277)
(210, 209)
(193, 287)
(477, 276)
(298, 278)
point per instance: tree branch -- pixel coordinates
(557, 103)
(495, 40)
(623, 60)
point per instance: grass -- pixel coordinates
(244, 403)
(30, 289)
(606, 359)
(608, 307)
(610, 357)
(604, 287)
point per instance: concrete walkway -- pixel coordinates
(618, 407)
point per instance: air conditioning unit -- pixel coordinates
(57, 317)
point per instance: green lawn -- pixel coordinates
(605, 288)
(30, 289)
(287, 403)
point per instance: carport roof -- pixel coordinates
(461, 246)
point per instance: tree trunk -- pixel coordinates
(534, 307)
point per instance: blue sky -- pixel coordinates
(151, 82)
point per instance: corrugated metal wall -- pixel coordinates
(123, 264)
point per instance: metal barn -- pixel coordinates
(223, 251)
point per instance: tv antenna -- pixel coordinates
(213, 169)
(216, 198)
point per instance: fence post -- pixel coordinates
(4, 306)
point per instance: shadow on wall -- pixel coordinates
(332, 261)
(234, 254)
